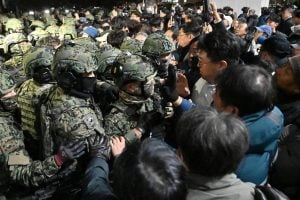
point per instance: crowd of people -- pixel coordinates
(161, 102)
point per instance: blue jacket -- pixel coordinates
(264, 129)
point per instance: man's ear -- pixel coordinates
(223, 64)
(190, 36)
(179, 154)
(233, 110)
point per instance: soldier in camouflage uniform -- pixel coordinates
(129, 115)
(106, 58)
(16, 167)
(15, 45)
(67, 30)
(106, 92)
(38, 32)
(37, 64)
(71, 112)
(52, 28)
(158, 48)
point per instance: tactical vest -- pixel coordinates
(58, 103)
(28, 98)
(124, 116)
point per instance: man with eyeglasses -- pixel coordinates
(188, 33)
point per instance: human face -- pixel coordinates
(193, 52)
(296, 20)
(285, 14)
(285, 79)
(241, 29)
(89, 74)
(272, 24)
(183, 38)
(207, 68)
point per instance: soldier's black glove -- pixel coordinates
(100, 148)
(149, 120)
(111, 92)
(169, 89)
(70, 151)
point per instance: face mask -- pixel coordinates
(86, 84)
(194, 62)
(9, 104)
(43, 75)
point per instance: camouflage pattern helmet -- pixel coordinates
(68, 21)
(7, 82)
(157, 44)
(106, 57)
(88, 43)
(13, 38)
(50, 21)
(14, 24)
(67, 32)
(37, 23)
(131, 45)
(37, 57)
(74, 58)
(132, 67)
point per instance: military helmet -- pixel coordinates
(13, 38)
(50, 21)
(68, 21)
(37, 57)
(132, 67)
(67, 32)
(88, 43)
(131, 45)
(7, 82)
(14, 24)
(75, 58)
(157, 44)
(37, 23)
(107, 56)
(71, 60)
(53, 30)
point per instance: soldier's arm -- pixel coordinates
(23, 170)
(116, 123)
(77, 123)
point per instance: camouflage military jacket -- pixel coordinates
(72, 118)
(124, 117)
(15, 164)
(28, 97)
(14, 66)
